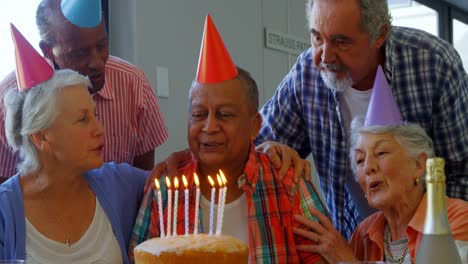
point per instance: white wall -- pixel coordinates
(168, 33)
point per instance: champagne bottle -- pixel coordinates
(437, 244)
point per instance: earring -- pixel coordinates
(416, 181)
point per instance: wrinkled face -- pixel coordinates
(221, 125)
(341, 49)
(385, 170)
(76, 137)
(84, 50)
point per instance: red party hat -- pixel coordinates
(31, 68)
(214, 64)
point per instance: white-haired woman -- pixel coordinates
(389, 162)
(64, 205)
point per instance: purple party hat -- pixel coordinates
(383, 109)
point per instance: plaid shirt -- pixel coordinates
(430, 86)
(271, 202)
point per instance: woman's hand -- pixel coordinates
(170, 166)
(283, 157)
(328, 241)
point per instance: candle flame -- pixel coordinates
(195, 178)
(184, 180)
(176, 182)
(223, 177)
(168, 182)
(211, 181)
(220, 182)
(156, 182)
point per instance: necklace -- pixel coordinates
(400, 259)
(58, 218)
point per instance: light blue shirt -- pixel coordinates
(118, 187)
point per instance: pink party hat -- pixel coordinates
(31, 68)
(383, 109)
(214, 64)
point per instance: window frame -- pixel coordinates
(447, 11)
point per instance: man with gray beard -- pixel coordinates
(331, 83)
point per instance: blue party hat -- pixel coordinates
(82, 13)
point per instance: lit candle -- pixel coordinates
(223, 203)
(186, 211)
(197, 203)
(220, 200)
(211, 204)
(169, 206)
(160, 212)
(176, 202)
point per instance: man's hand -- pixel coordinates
(283, 157)
(170, 167)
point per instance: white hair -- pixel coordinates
(33, 110)
(411, 137)
(333, 83)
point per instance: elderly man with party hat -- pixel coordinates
(388, 157)
(74, 36)
(64, 205)
(223, 122)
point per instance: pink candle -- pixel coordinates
(186, 200)
(197, 203)
(176, 203)
(211, 204)
(160, 212)
(169, 206)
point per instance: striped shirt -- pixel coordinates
(126, 106)
(430, 87)
(271, 204)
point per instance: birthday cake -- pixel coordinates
(200, 248)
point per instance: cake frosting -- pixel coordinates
(195, 248)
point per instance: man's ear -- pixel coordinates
(46, 50)
(257, 124)
(384, 31)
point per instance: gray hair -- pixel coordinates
(251, 87)
(33, 110)
(249, 84)
(374, 16)
(47, 14)
(412, 137)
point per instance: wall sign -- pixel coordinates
(284, 42)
